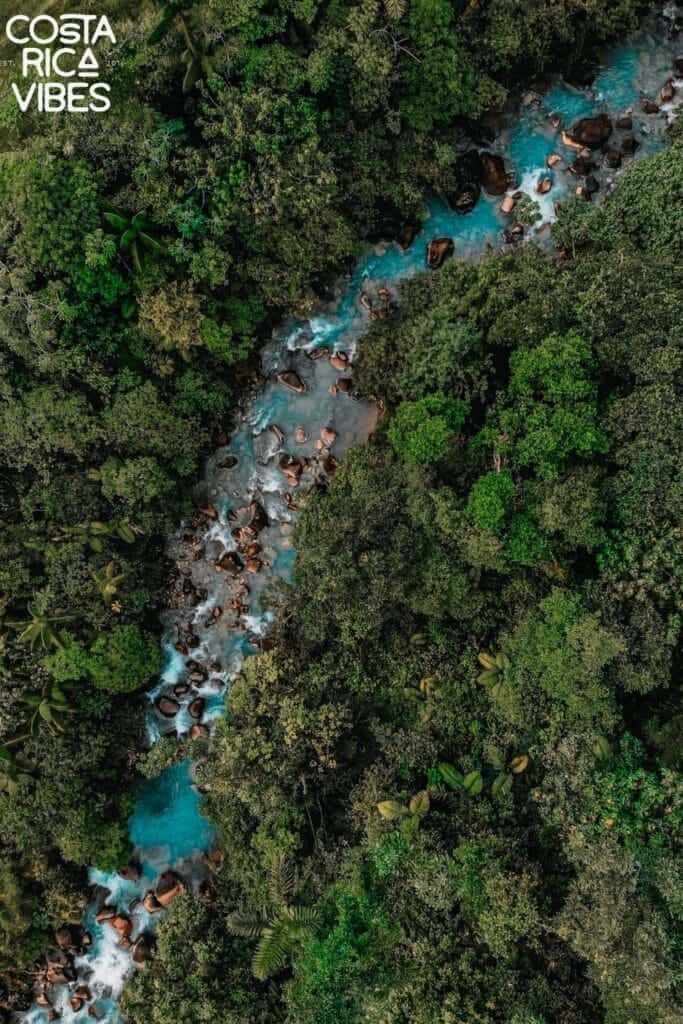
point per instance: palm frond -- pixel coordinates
(395, 9)
(249, 926)
(272, 952)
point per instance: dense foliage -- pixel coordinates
(250, 148)
(467, 738)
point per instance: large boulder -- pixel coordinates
(591, 132)
(463, 200)
(142, 949)
(169, 886)
(122, 924)
(494, 176)
(438, 250)
(167, 706)
(151, 903)
(196, 708)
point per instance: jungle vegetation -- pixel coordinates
(466, 739)
(516, 516)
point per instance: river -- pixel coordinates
(262, 464)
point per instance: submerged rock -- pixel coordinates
(592, 132)
(438, 250)
(625, 123)
(291, 380)
(494, 175)
(649, 106)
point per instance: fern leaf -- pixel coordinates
(282, 881)
(272, 952)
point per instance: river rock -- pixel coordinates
(169, 886)
(105, 914)
(552, 159)
(231, 563)
(142, 949)
(181, 689)
(344, 385)
(196, 707)
(258, 520)
(406, 235)
(581, 166)
(592, 132)
(131, 871)
(229, 462)
(167, 706)
(122, 924)
(151, 903)
(625, 123)
(464, 199)
(339, 360)
(76, 1003)
(291, 380)
(300, 435)
(649, 106)
(199, 732)
(53, 1015)
(544, 185)
(63, 937)
(96, 1011)
(667, 92)
(290, 465)
(438, 250)
(514, 234)
(613, 157)
(328, 436)
(629, 145)
(494, 175)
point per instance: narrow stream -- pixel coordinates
(241, 540)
